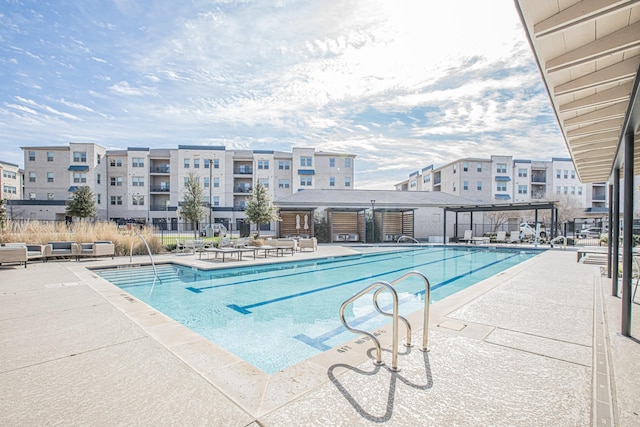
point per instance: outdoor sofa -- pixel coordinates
(20, 253)
(96, 249)
(60, 249)
(311, 243)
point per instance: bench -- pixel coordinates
(14, 254)
(582, 252)
(95, 249)
(60, 249)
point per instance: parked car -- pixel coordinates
(590, 232)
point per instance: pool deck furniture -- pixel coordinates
(583, 252)
(501, 237)
(194, 245)
(311, 243)
(96, 249)
(468, 235)
(229, 251)
(60, 249)
(14, 254)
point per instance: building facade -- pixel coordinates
(147, 185)
(10, 181)
(503, 179)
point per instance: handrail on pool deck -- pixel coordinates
(381, 286)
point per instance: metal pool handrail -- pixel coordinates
(394, 294)
(403, 237)
(380, 287)
(153, 264)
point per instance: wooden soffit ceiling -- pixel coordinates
(589, 53)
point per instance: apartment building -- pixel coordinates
(503, 179)
(147, 184)
(10, 181)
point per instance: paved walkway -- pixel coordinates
(535, 345)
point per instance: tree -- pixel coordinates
(259, 209)
(193, 202)
(498, 218)
(3, 214)
(83, 203)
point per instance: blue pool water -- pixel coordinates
(274, 316)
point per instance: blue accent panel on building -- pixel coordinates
(263, 151)
(202, 147)
(306, 172)
(72, 188)
(503, 196)
(503, 178)
(137, 148)
(414, 173)
(521, 161)
(82, 168)
(561, 159)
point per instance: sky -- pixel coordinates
(402, 84)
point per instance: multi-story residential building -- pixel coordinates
(505, 179)
(148, 184)
(10, 181)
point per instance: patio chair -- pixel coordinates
(468, 236)
(180, 247)
(501, 237)
(514, 237)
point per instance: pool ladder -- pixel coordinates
(153, 264)
(381, 286)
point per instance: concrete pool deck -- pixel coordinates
(538, 344)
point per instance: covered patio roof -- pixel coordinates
(588, 53)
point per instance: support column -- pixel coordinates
(615, 233)
(610, 234)
(444, 227)
(627, 236)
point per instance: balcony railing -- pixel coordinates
(160, 169)
(242, 190)
(539, 179)
(160, 189)
(243, 170)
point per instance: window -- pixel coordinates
(558, 189)
(186, 163)
(579, 191)
(50, 196)
(32, 196)
(32, 157)
(137, 181)
(573, 174)
(9, 189)
(115, 162)
(98, 158)
(332, 182)
(264, 182)
(10, 175)
(137, 162)
(573, 190)
(32, 177)
(216, 182)
(137, 200)
(465, 185)
(465, 167)
(426, 178)
(49, 156)
(522, 173)
(284, 165)
(347, 162)
(501, 168)
(455, 168)
(413, 184)
(207, 183)
(558, 173)
(216, 163)
(196, 163)
(347, 181)
(306, 161)
(80, 156)
(116, 181)
(49, 176)
(284, 183)
(566, 174)
(99, 198)
(501, 186)
(522, 189)
(116, 200)
(186, 181)
(332, 162)
(454, 186)
(216, 200)
(98, 178)
(306, 181)
(566, 189)
(263, 164)
(479, 186)
(479, 167)
(79, 178)
(207, 163)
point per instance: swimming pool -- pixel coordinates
(276, 315)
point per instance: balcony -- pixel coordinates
(243, 170)
(161, 189)
(242, 190)
(539, 179)
(160, 169)
(537, 195)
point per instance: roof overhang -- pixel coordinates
(589, 55)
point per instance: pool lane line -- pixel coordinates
(246, 308)
(300, 273)
(319, 341)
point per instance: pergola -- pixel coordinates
(588, 53)
(535, 206)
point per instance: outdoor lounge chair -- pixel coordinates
(468, 236)
(311, 243)
(501, 237)
(514, 237)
